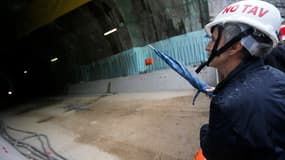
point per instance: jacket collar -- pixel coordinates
(245, 66)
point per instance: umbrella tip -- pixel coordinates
(150, 46)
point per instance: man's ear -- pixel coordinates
(235, 48)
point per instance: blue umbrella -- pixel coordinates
(197, 83)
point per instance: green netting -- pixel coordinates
(189, 49)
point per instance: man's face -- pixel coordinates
(218, 61)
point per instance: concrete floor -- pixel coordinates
(129, 126)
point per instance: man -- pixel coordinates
(247, 112)
(277, 57)
(282, 32)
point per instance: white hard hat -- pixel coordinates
(258, 14)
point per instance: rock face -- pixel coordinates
(161, 19)
(138, 23)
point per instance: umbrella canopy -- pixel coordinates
(197, 83)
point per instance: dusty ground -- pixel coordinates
(133, 126)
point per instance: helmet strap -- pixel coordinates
(217, 52)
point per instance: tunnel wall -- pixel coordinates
(189, 49)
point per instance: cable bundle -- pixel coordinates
(32, 152)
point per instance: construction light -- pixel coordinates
(111, 31)
(54, 59)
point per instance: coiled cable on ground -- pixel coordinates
(32, 152)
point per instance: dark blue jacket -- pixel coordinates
(247, 115)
